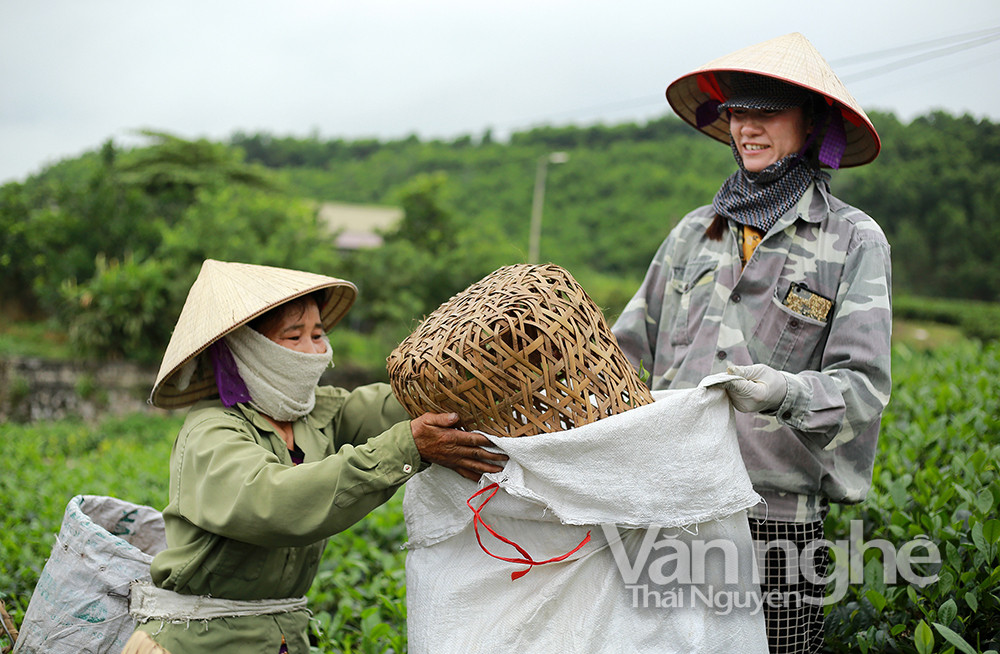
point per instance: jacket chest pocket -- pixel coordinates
(691, 287)
(787, 340)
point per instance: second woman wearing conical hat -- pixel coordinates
(787, 286)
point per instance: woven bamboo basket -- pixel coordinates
(521, 352)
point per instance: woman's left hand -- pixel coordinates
(462, 451)
(762, 388)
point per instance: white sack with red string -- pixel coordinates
(647, 485)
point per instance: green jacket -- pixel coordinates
(243, 523)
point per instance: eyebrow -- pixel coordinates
(300, 325)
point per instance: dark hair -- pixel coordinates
(266, 321)
(715, 231)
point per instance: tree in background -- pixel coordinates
(81, 230)
(108, 244)
(933, 190)
(173, 170)
(61, 222)
(429, 257)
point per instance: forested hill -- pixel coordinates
(107, 244)
(934, 189)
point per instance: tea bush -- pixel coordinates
(358, 598)
(936, 475)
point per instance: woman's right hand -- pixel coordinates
(462, 451)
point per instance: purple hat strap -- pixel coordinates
(831, 151)
(232, 388)
(834, 143)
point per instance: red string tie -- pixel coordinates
(477, 520)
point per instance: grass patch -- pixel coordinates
(976, 319)
(923, 335)
(34, 339)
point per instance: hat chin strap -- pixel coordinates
(232, 388)
(834, 144)
(281, 382)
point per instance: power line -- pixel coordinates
(634, 103)
(879, 54)
(937, 73)
(966, 41)
(916, 59)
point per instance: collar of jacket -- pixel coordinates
(321, 415)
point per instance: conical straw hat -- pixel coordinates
(790, 58)
(223, 297)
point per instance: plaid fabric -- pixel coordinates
(794, 624)
(759, 199)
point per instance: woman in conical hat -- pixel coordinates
(268, 464)
(785, 286)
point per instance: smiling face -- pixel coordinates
(763, 137)
(298, 328)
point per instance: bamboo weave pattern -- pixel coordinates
(521, 352)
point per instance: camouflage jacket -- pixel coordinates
(812, 301)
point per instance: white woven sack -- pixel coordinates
(674, 464)
(80, 604)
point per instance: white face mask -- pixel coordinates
(282, 382)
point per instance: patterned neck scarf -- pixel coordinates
(759, 199)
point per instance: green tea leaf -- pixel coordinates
(948, 611)
(876, 598)
(991, 531)
(972, 601)
(984, 502)
(954, 639)
(923, 638)
(978, 538)
(964, 492)
(644, 374)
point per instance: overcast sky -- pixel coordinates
(74, 73)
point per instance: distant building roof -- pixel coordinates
(358, 225)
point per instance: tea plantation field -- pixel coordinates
(936, 478)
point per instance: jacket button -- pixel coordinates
(737, 298)
(720, 355)
(407, 468)
(793, 323)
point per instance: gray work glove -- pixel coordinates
(762, 388)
